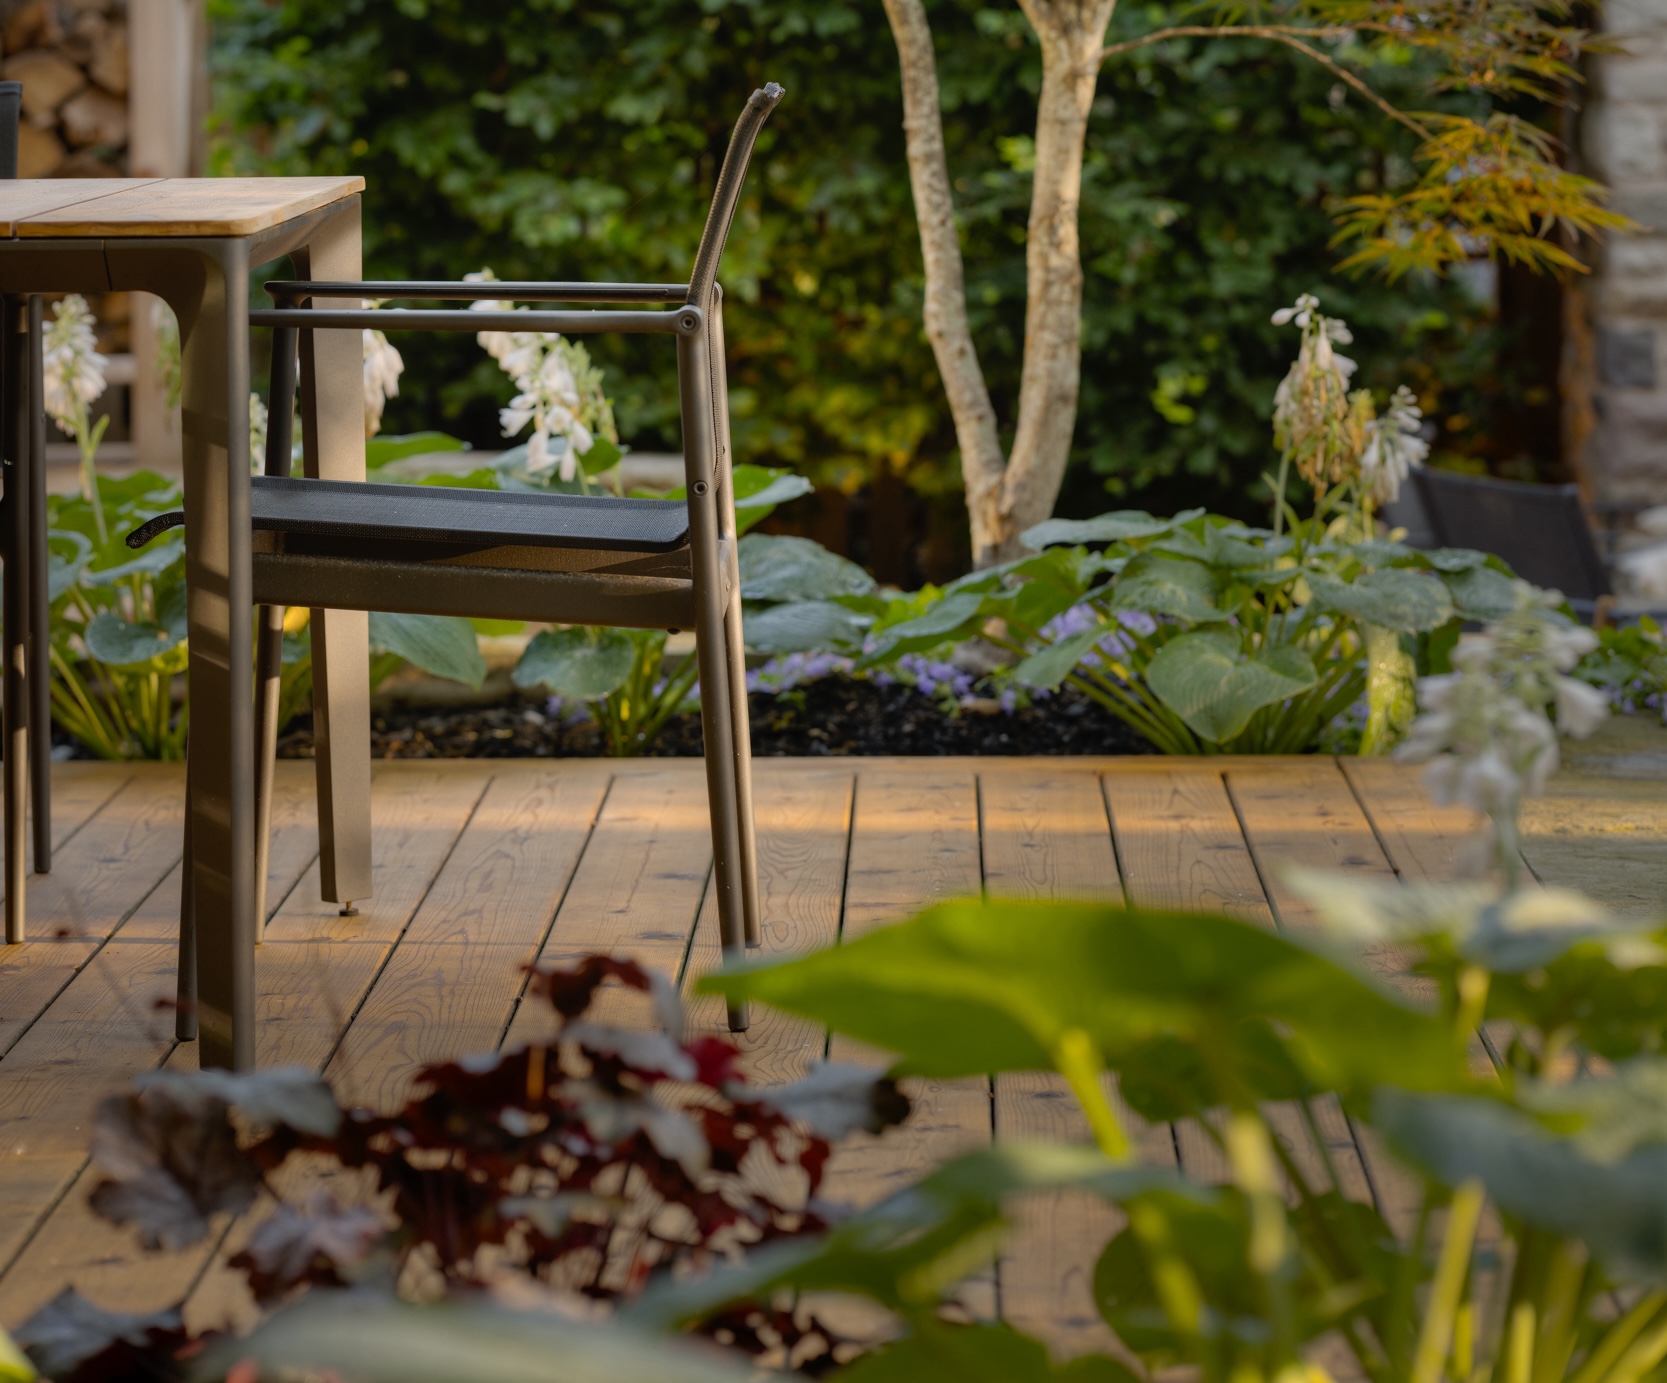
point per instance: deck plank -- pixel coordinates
(1303, 811)
(451, 986)
(1046, 836)
(107, 1026)
(472, 858)
(803, 817)
(637, 892)
(97, 879)
(311, 975)
(914, 841)
(1181, 846)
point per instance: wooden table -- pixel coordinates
(193, 242)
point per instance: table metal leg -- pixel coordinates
(14, 387)
(210, 304)
(333, 442)
(40, 607)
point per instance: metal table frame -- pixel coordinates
(206, 282)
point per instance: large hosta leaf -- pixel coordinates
(804, 627)
(1481, 593)
(1409, 602)
(785, 568)
(119, 643)
(1617, 1208)
(584, 664)
(974, 987)
(1120, 526)
(1158, 585)
(441, 645)
(1206, 680)
(1053, 664)
(373, 1338)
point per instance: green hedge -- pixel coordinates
(549, 139)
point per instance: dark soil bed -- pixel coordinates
(834, 716)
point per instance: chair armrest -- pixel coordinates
(288, 291)
(681, 321)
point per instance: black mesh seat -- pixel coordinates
(440, 514)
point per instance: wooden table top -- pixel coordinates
(72, 208)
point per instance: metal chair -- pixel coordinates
(572, 559)
(1539, 530)
(27, 683)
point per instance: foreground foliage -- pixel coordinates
(594, 1162)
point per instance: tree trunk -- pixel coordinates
(982, 465)
(1072, 32)
(1005, 497)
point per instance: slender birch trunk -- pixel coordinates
(1005, 496)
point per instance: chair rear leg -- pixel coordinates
(741, 755)
(40, 606)
(185, 1000)
(269, 671)
(717, 720)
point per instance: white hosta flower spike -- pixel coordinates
(74, 369)
(558, 393)
(1485, 729)
(383, 367)
(1393, 447)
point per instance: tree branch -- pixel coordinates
(1278, 33)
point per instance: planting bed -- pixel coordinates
(830, 716)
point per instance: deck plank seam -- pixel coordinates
(1372, 821)
(1380, 1196)
(1118, 855)
(845, 888)
(707, 885)
(405, 927)
(555, 911)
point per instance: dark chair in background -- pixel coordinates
(1541, 531)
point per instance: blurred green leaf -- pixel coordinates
(973, 987)
(785, 568)
(112, 640)
(382, 449)
(1207, 680)
(1408, 602)
(580, 663)
(441, 645)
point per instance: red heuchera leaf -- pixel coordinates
(170, 1161)
(317, 1244)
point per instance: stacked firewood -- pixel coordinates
(71, 56)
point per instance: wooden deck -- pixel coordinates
(481, 866)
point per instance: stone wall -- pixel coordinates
(1624, 134)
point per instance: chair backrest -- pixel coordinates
(1540, 530)
(726, 194)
